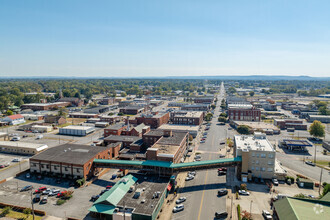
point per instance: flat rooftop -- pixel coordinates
(76, 127)
(121, 138)
(293, 142)
(45, 104)
(116, 126)
(20, 144)
(196, 114)
(151, 185)
(165, 149)
(70, 153)
(245, 142)
(240, 106)
(257, 125)
(179, 127)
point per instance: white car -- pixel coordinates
(178, 208)
(275, 182)
(181, 200)
(243, 192)
(192, 173)
(15, 139)
(189, 178)
(266, 214)
(17, 160)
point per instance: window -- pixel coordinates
(270, 169)
(257, 155)
(252, 161)
(47, 166)
(78, 170)
(263, 168)
(257, 161)
(263, 155)
(252, 168)
(257, 168)
(66, 169)
(270, 162)
(253, 154)
(270, 155)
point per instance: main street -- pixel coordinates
(201, 192)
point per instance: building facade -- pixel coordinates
(243, 112)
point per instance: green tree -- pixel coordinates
(326, 189)
(251, 93)
(9, 112)
(213, 106)
(222, 119)
(231, 90)
(317, 129)
(208, 116)
(324, 111)
(62, 112)
(223, 115)
(244, 129)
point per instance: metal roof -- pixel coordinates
(165, 164)
(117, 192)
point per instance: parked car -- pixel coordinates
(27, 188)
(310, 163)
(17, 160)
(37, 198)
(230, 128)
(24, 136)
(61, 194)
(180, 200)
(222, 142)
(2, 166)
(94, 198)
(219, 215)
(15, 139)
(178, 208)
(220, 173)
(44, 200)
(222, 169)
(54, 192)
(46, 192)
(108, 187)
(114, 176)
(243, 192)
(222, 156)
(202, 141)
(222, 192)
(275, 182)
(189, 178)
(266, 214)
(192, 173)
(28, 175)
(39, 137)
(40, 189)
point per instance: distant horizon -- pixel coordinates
(246, 77)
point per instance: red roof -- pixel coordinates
(13, 117)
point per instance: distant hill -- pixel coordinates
(254, 77)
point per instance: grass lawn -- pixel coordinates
(19, 215)
(323, 163)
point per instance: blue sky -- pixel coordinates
(164, 38)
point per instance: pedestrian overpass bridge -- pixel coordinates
(168, 168)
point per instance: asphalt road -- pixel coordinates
(202, 200)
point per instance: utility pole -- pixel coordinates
(251, 208)
(315, 154)
(231, 208)
(320, 181)
(32, 205)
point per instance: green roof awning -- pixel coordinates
(103, 209)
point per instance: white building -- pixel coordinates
(258, 156)
(14, 119)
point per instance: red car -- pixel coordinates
(2, 166)
(41, 189)
(222, 169)
(61, 193)
(109, 187)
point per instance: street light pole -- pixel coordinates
(320, 181)
(315, 154)
(251, 208)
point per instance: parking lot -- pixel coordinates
(76, 207)
(260, 197)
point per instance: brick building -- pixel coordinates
(45, 106)
(290, 123)
(207, 100)
(73, 100)
(153, 120)
(71, 160)
(196, 107)
(166, 145)
(187, 118)
(243, 112)
(132, 110)
(55, 119)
